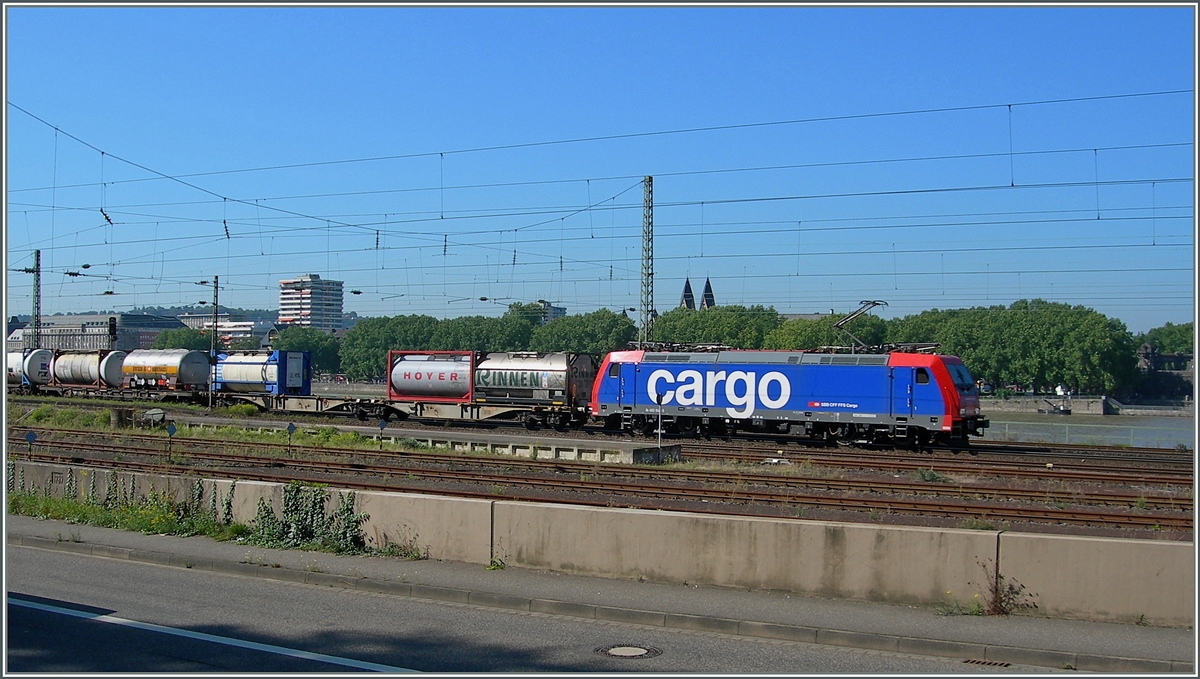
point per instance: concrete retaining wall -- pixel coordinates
(1103, 578)
(1075, 577)
(1031, 404)
(844, 560)
(456, 529)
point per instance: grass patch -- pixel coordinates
(952, 606)
(978, 524)
(304, 523)
(66, 418)
(154, 514)
(237, 410)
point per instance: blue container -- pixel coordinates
(265, 372)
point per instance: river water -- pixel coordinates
(1130, 430)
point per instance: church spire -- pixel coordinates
(687, 301)
(707, 301)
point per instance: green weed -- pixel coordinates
(932, 476)
(978, 524)
(951, 606)
(407, 548)
(304, 523)
(155, 513)
(1002, 594)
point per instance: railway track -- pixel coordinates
(1075, 470)
(792, 445)
(633, 486)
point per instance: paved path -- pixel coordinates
(1018, 639)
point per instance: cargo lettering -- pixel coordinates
(741, 388)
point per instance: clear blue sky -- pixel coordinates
(922, 208)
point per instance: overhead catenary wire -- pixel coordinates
(490, 221)
(691, 130)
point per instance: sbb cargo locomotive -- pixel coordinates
(896, 397)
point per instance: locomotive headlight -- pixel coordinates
(962, 411)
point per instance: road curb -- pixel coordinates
(763, 630)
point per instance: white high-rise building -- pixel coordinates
(312, 302)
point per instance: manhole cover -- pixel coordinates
(629, 651)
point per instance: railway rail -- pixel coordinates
(633, 486)
(849, 458)
(710, 448)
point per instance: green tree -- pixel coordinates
(800, 333)
(321, 345)
(736, 326)
(465, 333)
(244, 344)
(182, 338)
(1169, 338)
(596, 333)
(1032, 343)
(364, 349)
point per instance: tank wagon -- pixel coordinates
(897, 397)
(537, 389)
(274, 372)
(175, 374)
(166, 369)
(89, 369)
(29, 369)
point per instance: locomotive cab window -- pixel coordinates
(922, 376)
(614, 370)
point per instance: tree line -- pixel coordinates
(1033, 344)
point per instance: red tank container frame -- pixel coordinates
(393, 395)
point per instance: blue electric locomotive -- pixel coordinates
(907, 397)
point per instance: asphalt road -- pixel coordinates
(73, 613)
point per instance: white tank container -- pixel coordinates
(175, 366)
(248, 372)
(12, 362)
(89, 368)
(426, 376)
(519, 370)
(34, 366)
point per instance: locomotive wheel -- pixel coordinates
(920, 440)
(687, 426)
(637, 424)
